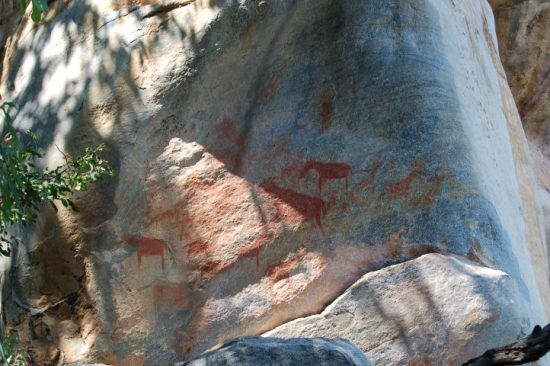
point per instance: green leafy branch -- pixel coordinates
(39, 7)
(23, 187)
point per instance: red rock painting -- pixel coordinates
(168, 296)
(176, 215)
(431, 194)
(327, 109)
(370, 181)
(253, 252)
(146, 247)
(212, 268)
(295, 207)
(327, 171)
(279, 147)
(230, 140)
(270, 88)
(228, 157)
(401, 188)
(292, 170)
(197, 248)
(228, 130)
(282, 271)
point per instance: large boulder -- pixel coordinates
(433, 310)
(282, 352)
(268, 154)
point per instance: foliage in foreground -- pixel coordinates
(11, 352)
(23, 187)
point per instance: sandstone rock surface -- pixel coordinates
(283, 352)
(434, 310)
(523, 29)
(268, 154)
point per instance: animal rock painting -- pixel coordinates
(327, 171)
(293, 206)
(146, 247)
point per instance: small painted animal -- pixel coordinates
(370, 181)
(327, 171)
(402, 187)
(307, 207)
(146, 247)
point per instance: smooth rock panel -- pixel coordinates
(523, 30)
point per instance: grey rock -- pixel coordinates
(256, 351)
(434, 310)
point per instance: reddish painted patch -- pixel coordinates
(254, 250)
(271, 88)
(212, 268)
(293, 206)
(292, 170)
(169, 295)
(327, 108)
(229, 130)
(262, 239)
(280, 146)
(178, 218)
(282, 271)
(370, 181)
(251, 253)
(215, 267)
(198, 247)
(327, 171)
(230, 142)
(165, 215)
(429, 197)
(146, 247)
(229, 157)
(401, 188)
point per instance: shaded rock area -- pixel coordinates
(434, 310)
(523, 29)
(268, 155)
(283, 352)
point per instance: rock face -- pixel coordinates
(268, 154)
(291, 352)
(434, 310)
(523, 29)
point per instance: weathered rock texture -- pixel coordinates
(283, 352)
(434, 310)
(523, 29)
(268, 154)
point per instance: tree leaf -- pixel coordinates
(41, 5)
